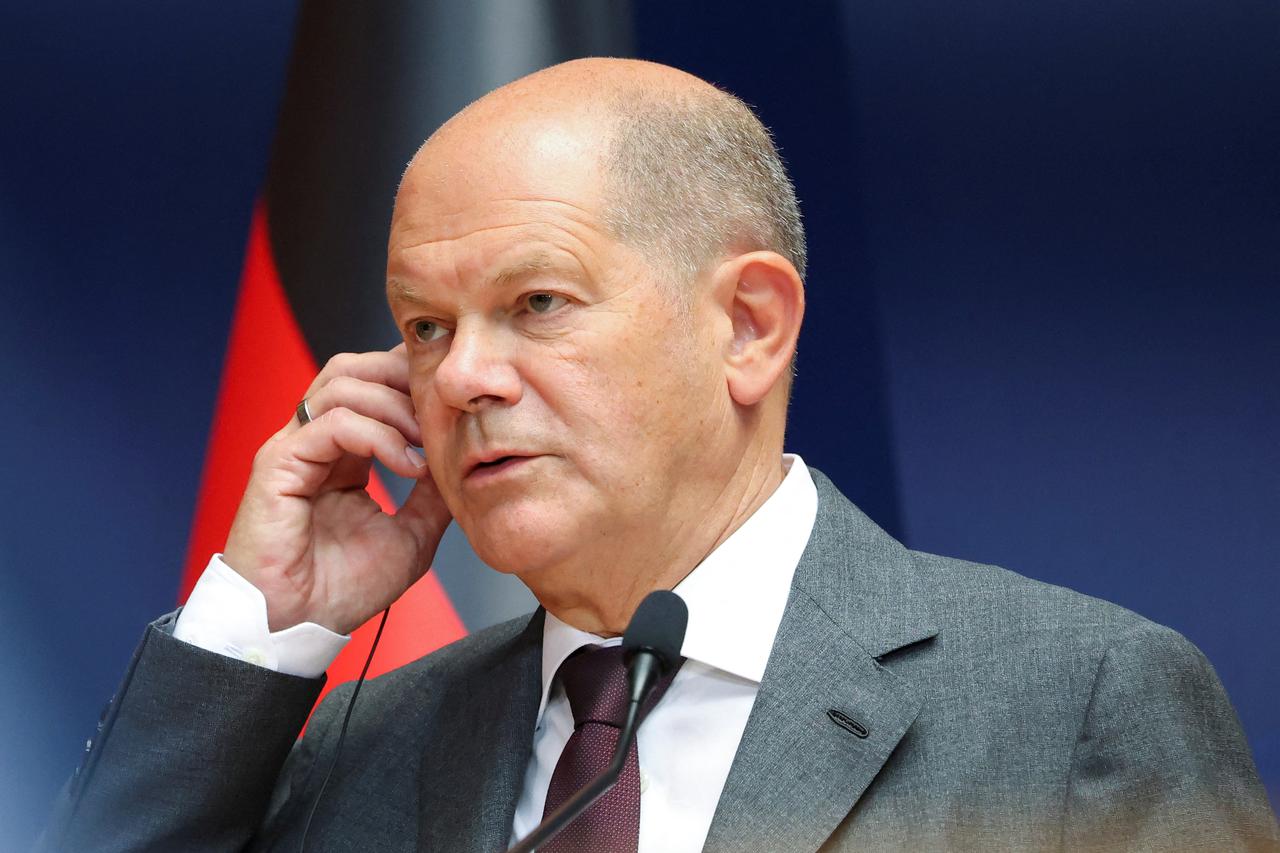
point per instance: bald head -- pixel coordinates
(685, 172)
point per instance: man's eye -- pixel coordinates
(426, 331)
(541, 303)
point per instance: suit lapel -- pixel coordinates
(828, 715)
(475, 770)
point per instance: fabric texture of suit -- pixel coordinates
(911, 702)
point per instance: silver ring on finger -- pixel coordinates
(303, 413)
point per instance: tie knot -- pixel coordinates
(595, 682)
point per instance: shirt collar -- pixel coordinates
(736, 596)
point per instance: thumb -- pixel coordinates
(424, 514)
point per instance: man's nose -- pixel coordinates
(477, 371)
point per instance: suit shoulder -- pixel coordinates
(1067, 652)
(473, 649)
(1005, 602)
(457, 660)
(972, 606)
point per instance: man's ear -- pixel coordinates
(763, 296)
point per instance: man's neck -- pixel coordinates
(601, 599)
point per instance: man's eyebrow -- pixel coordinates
(398, 291)
(523, 269)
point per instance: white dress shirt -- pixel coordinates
(228, 615)
(736, 597)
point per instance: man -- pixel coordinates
(597, 272)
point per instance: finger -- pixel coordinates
(424, 513)
(371, 399)
(308, 456)
(388, 368)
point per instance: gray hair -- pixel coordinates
(689, 177)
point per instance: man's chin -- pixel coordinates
(517, 544)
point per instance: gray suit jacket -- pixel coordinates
(911, 702)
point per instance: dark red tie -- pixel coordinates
(595, 680)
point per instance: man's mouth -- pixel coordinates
(486, 468)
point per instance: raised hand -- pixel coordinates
(307, 533)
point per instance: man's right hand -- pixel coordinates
(307, 533)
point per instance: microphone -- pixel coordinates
(651, 648)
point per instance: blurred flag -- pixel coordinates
(367, 83)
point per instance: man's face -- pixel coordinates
(562, 390)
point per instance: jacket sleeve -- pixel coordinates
(187, 754)
(1161, 762)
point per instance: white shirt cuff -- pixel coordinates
(227, 614)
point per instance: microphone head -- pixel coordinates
(658, 626)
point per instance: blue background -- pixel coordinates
(1045, 241)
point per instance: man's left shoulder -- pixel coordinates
(967, 609)
(1003, 604)
(992, 611)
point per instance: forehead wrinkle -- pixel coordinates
(549, 246)
(406, 220)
